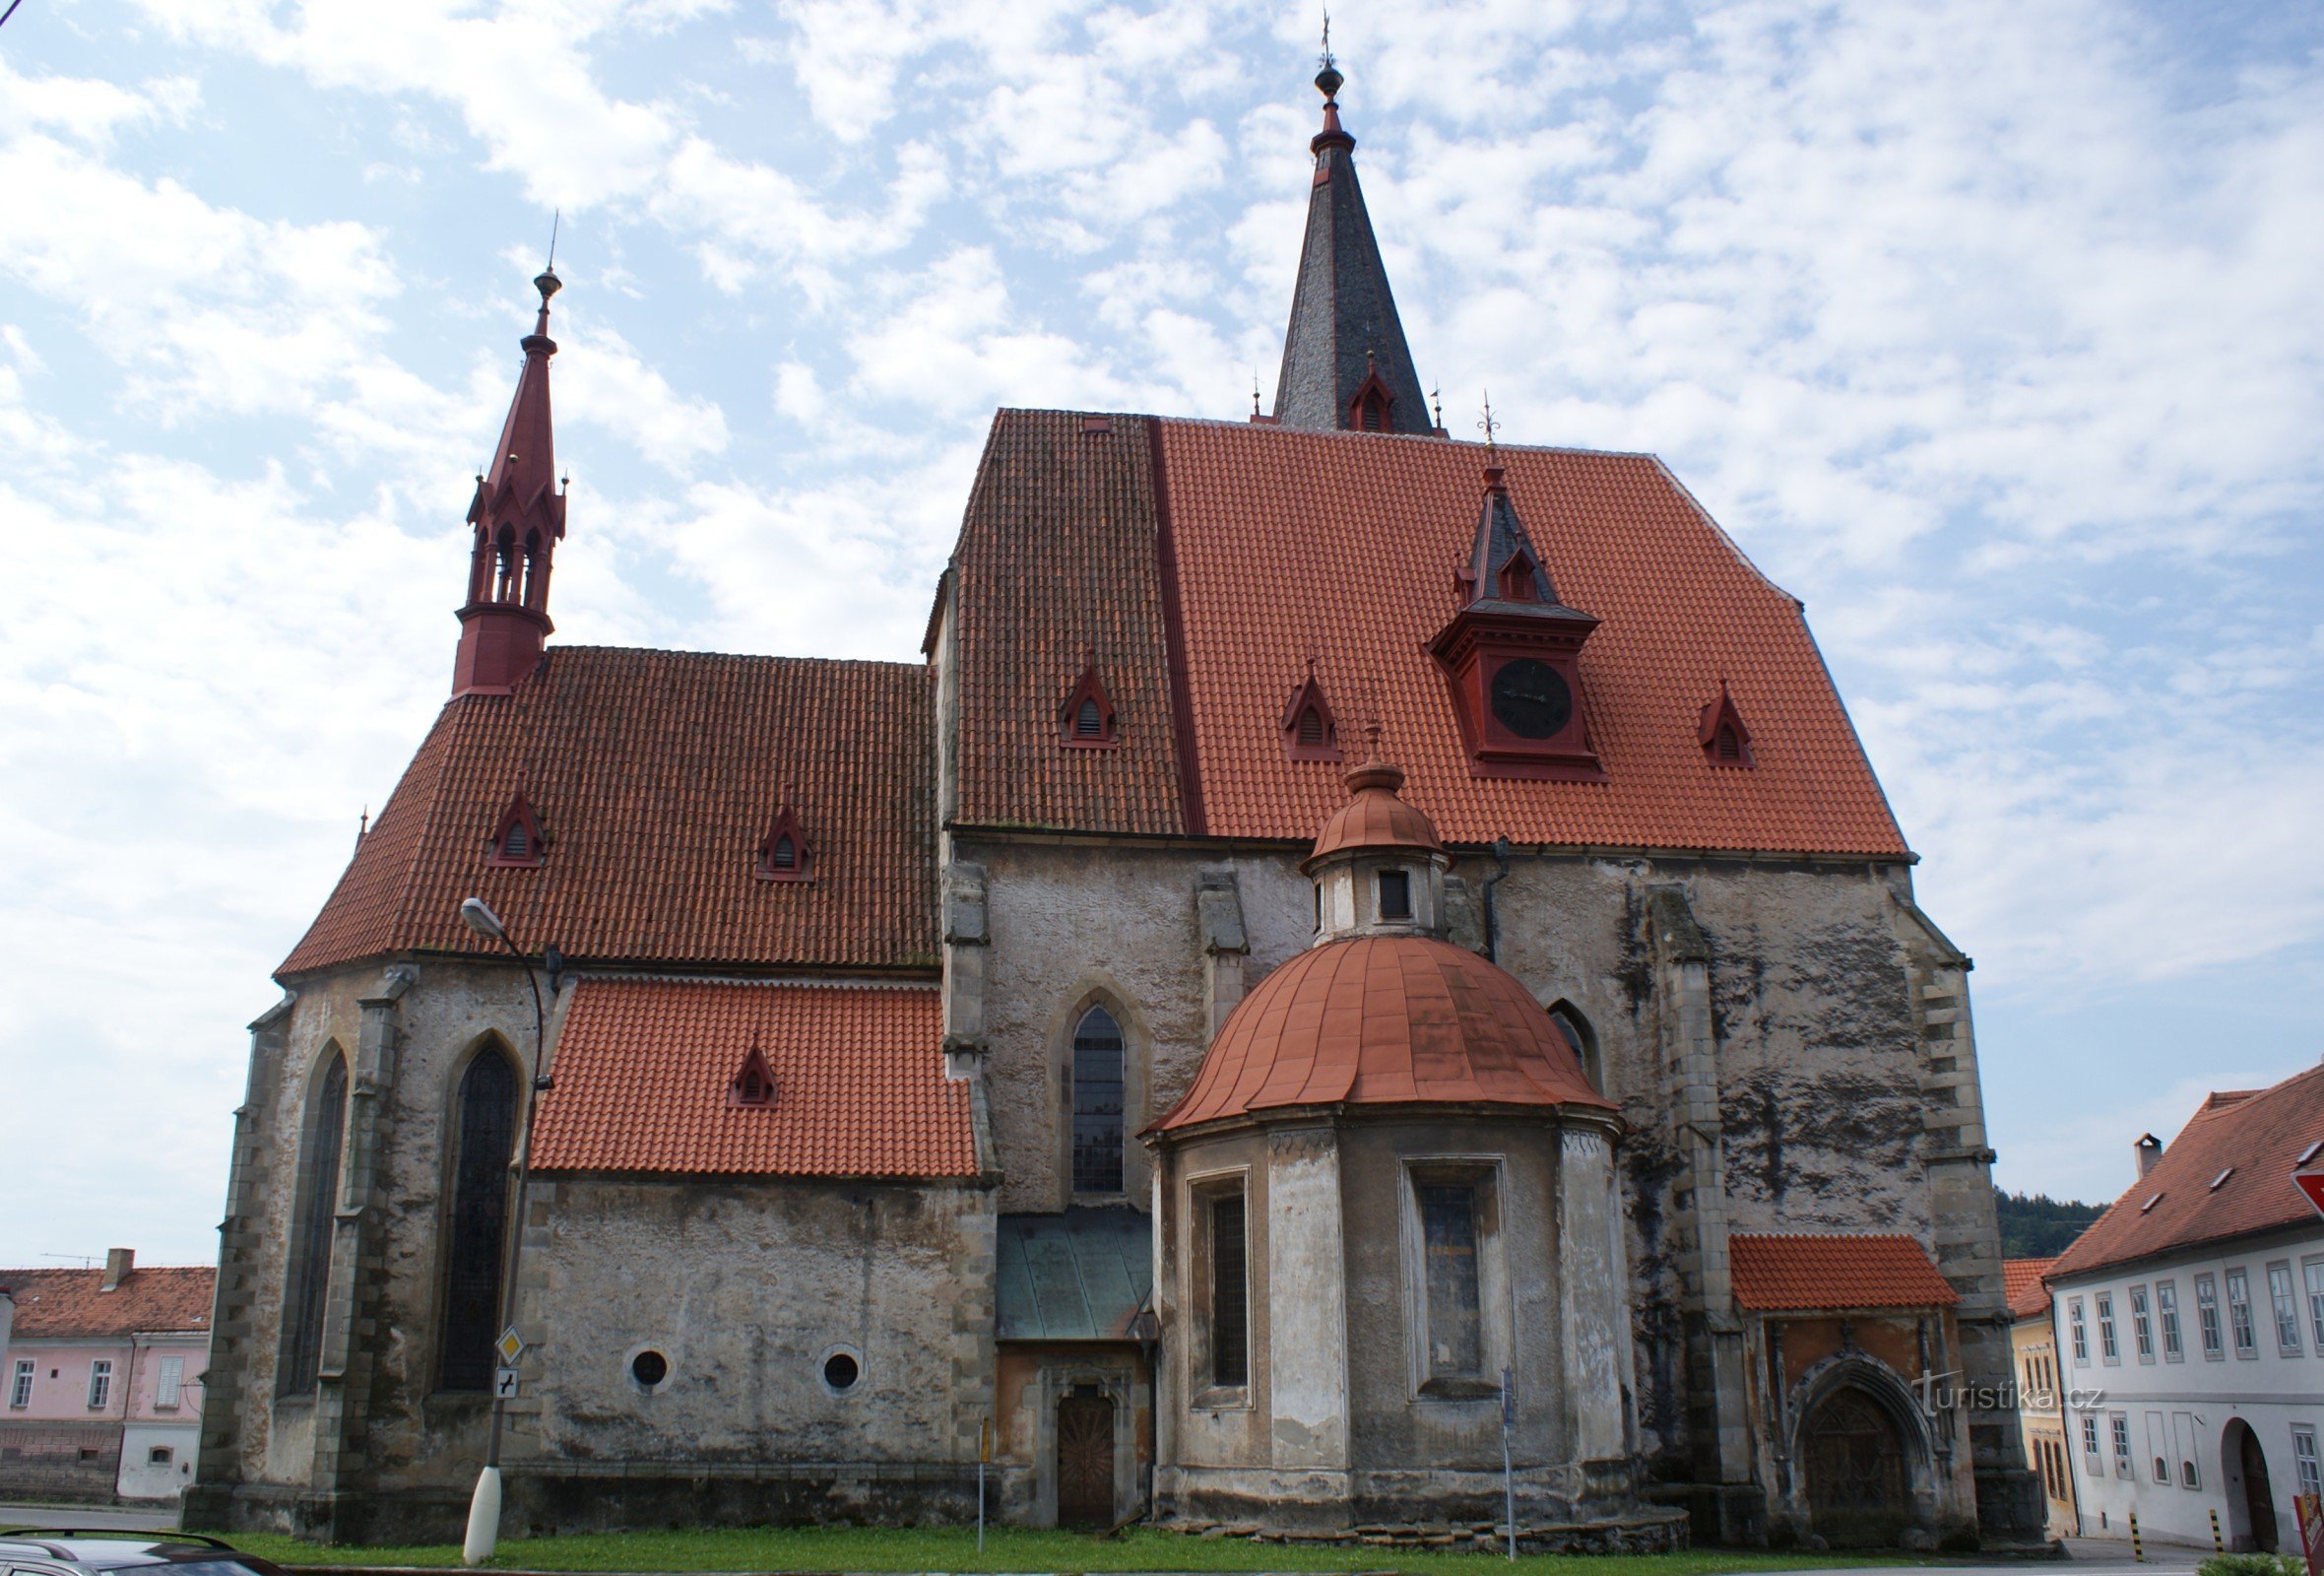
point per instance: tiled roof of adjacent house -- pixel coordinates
(66, 1303)
(2255, 1138)
(1779, 1273)
(2020, 1284)
(643, 1068)
(1210, 582)
(655, 775)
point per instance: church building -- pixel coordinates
(1353, 954)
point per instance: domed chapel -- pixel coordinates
(1179, 1051)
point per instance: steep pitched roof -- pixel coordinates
(657, 775)
(2020, 1284)
(1345, 328)
(1058, 559)
(52, 1304)
(1274, 546)
(1789, 1272)
(2255, 1137)
(642, 1069)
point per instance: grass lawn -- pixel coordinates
(952, 1548)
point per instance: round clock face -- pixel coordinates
(1530, 699)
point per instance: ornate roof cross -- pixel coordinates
(1491, 429)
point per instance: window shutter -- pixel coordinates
(1089, 721)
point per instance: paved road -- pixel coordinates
(91, 1516)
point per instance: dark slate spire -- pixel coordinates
(1345, 363)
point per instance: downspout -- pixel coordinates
(1492, 920)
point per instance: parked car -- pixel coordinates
(73, 1552)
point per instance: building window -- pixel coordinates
(309, 1274)
(1449, 1253)
(2286, 1307)
(2108, 1350)
(486, 1138)
(100, 1383)
(20, 1385)
(1097, 1103)
(2189, 1478)
(2315, 1274)
(2166, 1304)
(159, 1456)
(1395, 894)
(2090, 1444)
(2239, 1314)
(2142, 1325)
(2081, 1333)
(2303, 1459)
(2119, 1424)
(1575, 1030)
(1230, 1292)
(2206, 1313)
(169, 1380)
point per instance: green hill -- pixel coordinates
(2035, 1225)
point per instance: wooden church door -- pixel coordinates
(1084, 1461)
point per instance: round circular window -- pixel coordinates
(649, 1368)
(841, 1370)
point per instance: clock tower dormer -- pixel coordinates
(1512, 655)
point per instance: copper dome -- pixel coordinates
(1375, 818)
(1379, 1021)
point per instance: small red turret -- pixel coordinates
(519, 516)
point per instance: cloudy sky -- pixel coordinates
(1989, 329)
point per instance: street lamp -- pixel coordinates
(484, 1508)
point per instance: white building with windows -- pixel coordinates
(2191, 1316)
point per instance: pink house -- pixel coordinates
(101, 1379)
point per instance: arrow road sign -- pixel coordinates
(510, 1345)
(504, 1383)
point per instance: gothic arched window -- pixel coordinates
(308, 1275)
(1575, 1030)
(1097, 1103)
(484, 1122)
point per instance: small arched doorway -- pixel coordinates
(2251, 1499)
(1085, 1458)
(1860, 1491)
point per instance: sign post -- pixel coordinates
(1509, 1488)
(984, 1453)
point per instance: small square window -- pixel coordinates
(1395, 894)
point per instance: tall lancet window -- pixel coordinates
(486, 1138)
(1097, 1103)
(307, 1276)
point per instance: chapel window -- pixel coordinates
(1575, 1030)
(1395, 894)
(484, 1139)
(1097, 1103)
(1449, 1241)
(309, 1274)
(1230, 1284)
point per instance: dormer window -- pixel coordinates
(1086, 720)
(517, 839)
(1721, 732)
(1367, 410)
(754, 1083)
(1516, 580)
(1309, 731)
(1395, 894)
(786, 854)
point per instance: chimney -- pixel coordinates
(118, 1264)
(2148, 1150)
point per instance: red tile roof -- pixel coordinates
(68, 1303)
(2260, 1134)
(642, 1068)
(1058, 558)
(1782, 1273)
(2020, 1284)
(1343, 546)
(1385, 1020)
(657, 774)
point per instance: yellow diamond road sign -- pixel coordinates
(509, 1344)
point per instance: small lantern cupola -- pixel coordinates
(1378, 866)
(519, 518)
(1513, 653)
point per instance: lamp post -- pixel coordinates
(484, 1508)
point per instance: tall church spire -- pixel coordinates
(1345, 363)
(519, 516)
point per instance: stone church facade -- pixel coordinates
(1346, 937)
